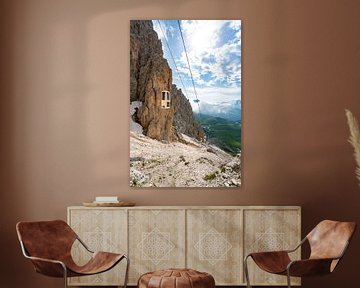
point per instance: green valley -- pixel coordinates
(221, 132)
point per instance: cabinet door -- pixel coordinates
(271, 230)
(100, 230)
(214, 244)
(156, 240)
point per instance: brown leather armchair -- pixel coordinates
(48, 245)
(328, 242)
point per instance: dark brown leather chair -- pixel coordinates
(48, 245)
(328, 242)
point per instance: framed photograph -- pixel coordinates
(185, 103)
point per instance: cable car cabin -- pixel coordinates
(196, 100)
(165, 99)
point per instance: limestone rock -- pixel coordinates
(150, 74)
(180, 164)
(184, 120)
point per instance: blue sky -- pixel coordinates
(214, 51)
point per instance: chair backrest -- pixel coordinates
(46, 239)
(329, 239)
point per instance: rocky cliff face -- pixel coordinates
(150, 74)
(184, 120)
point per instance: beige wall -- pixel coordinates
(64, 112)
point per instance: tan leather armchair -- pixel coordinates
(328, 242)
(48, 245)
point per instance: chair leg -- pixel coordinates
(127, 271)
(65, 276)
(246, 272)
(288, 278)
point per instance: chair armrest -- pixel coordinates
(309, 267)
(280, 251)
(45, 260)
(268, 254)
(271, 261)
(48, 267)
(271, 252)
(298, 246)
(83, 244)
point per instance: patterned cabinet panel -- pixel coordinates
(269, 230)
(210, 239)
(101, 230)
(214, 244)
(156, 240)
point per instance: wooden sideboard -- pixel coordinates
(213, 239)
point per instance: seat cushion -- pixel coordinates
(176, 278)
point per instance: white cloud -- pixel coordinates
(162, 29)
(201, 34)
(214, 62)
(213, 95)
(158, 30)
(235, 24)
(202, 38)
